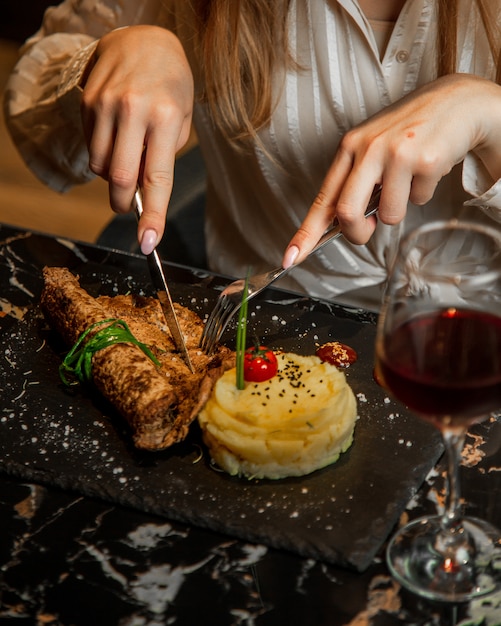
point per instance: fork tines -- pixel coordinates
(216, 323)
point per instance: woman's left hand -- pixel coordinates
(407, 148)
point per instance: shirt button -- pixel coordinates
(402, 56)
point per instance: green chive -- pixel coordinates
(242, 335)
(78, 361)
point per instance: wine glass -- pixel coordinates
(438, 351)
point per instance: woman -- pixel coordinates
(300, 108)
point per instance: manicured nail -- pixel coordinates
(148, 241)
(290, 256)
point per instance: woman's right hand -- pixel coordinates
(136, 108)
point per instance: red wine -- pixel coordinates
(445, 365)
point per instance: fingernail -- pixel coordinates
(290, 256)
(148, 241)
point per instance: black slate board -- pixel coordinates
(74, 439)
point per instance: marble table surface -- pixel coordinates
(73, 559)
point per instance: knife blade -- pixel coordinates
(162, 290)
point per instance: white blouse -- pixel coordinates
(255, 204)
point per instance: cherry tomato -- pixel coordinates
(260, 364)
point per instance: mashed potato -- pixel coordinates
(299, 421)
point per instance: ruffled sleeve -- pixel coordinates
(42, 114)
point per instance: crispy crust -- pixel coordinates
(159, 403)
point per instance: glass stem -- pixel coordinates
(454, 442)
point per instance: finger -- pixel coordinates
(422, 189)
(321, 213)
(352, 200)
(157, 179)
(101, 141)
(99, 123)
(351, 207)
(125, 162)
(394, 196)
(312, 228)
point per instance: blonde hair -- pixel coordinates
(240, 43)
(448, 12)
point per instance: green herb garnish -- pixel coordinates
(242, 335)
(78, 361)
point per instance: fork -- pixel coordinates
(230, 299)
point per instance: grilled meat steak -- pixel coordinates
(159, 403)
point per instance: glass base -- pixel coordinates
(446, 567)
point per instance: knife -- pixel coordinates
(163, 294)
